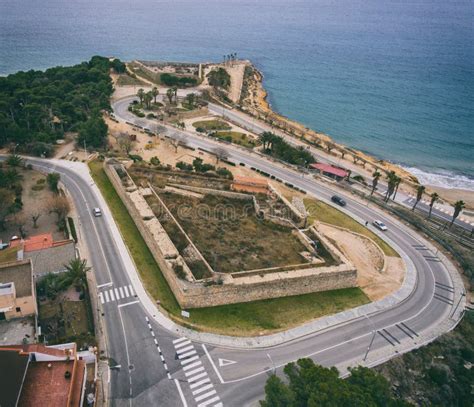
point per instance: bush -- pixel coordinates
(179, 270)
(200, 130)
(224, 172)
(184, 166)
(155, 161)
(173, 80)
(135, 157)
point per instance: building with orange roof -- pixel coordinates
(250, 185)
(41, 375)
(46, 254)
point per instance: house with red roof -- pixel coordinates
(331, 171)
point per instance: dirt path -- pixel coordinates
(369, 261)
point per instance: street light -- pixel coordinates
(373, 337)
(271, 360)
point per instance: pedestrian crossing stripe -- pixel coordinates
(115, 294)
(203, 391)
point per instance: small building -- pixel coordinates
(47, 255)
(250, 185)
(17, 290)
(330, 171)
(38, 375)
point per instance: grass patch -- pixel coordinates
(150, 273)
(212, 125)
(66, 321)
(9, 254)
(265, 316)
(127, 80)
(325, 213)
(245, 319)
(236, 138)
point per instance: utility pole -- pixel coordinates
(373, 337)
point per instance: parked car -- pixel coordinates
(97, 212)
(380, 225)
(338, 200)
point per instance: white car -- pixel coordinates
(380, 225)
(97, 212)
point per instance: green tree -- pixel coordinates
(170, 95)
(391, 184)
(311, 385)
(93, 132)
(219, 78)
(434, 197)
(375, 180)
(458, 207)
(419, 194)
(147, 98)
(53, 179)
(77, 269)
(14, 160)
(155, 92)
(141, 94)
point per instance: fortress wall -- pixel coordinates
(243, 289)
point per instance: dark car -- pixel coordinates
(338, 200)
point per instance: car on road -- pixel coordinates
(97, 212)
(380, 225)
(338, 200)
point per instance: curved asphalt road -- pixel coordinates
(149, 373)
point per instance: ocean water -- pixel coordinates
(392, 78)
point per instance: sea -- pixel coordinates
(393, 78)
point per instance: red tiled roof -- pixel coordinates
(45, 384)
(37, 348)
(339, 172)
(38, 242)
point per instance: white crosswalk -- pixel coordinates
(203, 391)
(115, 294)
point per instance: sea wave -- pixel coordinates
(442, 178)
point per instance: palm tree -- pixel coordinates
(155, 92)
(375, 180)
(141, 94)
(12, 177)
(14, 161)
(147, 98)
(419, 194)
(267, 139)
(397, 184)
(392, 181)
(77, 270)
(170, 95)
(434, 198)
(458, 207)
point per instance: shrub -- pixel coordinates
(155, 161)
(179, 270)
(224, 172)
(135, 157)
(184, 166)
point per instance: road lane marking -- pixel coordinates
(204, 388)
(131, 289)
(105, 284)
(126, 291)
(226, 362)
(189, 360)
(121, 292)
(188, 354)
(206, 403)
(128, 303)
(106, 296)
(190, 373)
(212, 363)
(101, 296)
(198, 363)
(117, 293)
(197, 377)
(112, 297)
(180, 340)
(183, 400)
(205, 395)
(179, 345)
(185, 349)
